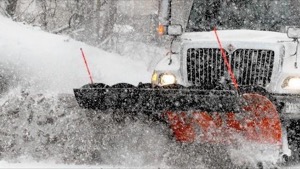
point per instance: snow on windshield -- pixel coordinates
(249, 14)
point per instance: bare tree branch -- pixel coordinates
(11, 7)
(27, 7)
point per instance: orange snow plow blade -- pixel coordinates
(258, 122)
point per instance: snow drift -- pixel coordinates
(38, 121)
(46, 62)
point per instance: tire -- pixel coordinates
(293, 134)
(145, 85)
(95, 85)
(123, 85)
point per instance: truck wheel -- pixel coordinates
(293, 134)
(95, 85)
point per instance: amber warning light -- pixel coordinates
(161, 30)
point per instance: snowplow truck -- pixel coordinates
(216, 86)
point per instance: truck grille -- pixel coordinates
(205, 66)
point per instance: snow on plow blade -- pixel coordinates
(144, 97)
(215, 116)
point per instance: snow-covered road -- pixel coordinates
(51, 165)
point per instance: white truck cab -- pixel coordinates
(266, 59)
(262, 58)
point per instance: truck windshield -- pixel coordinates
(269, 15)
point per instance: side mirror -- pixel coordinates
(175, 30)
(293, 32)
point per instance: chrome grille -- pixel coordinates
(205, 66)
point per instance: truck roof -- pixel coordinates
(237, 35)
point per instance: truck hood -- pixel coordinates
(237, 35)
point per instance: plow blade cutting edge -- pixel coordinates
(215, 116)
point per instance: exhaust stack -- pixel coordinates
(164, 16)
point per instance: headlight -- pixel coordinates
(292, 83)
(167, 79)
(154, 78)
(163, 79)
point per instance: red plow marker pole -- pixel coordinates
(86, 65)
(226, 61)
